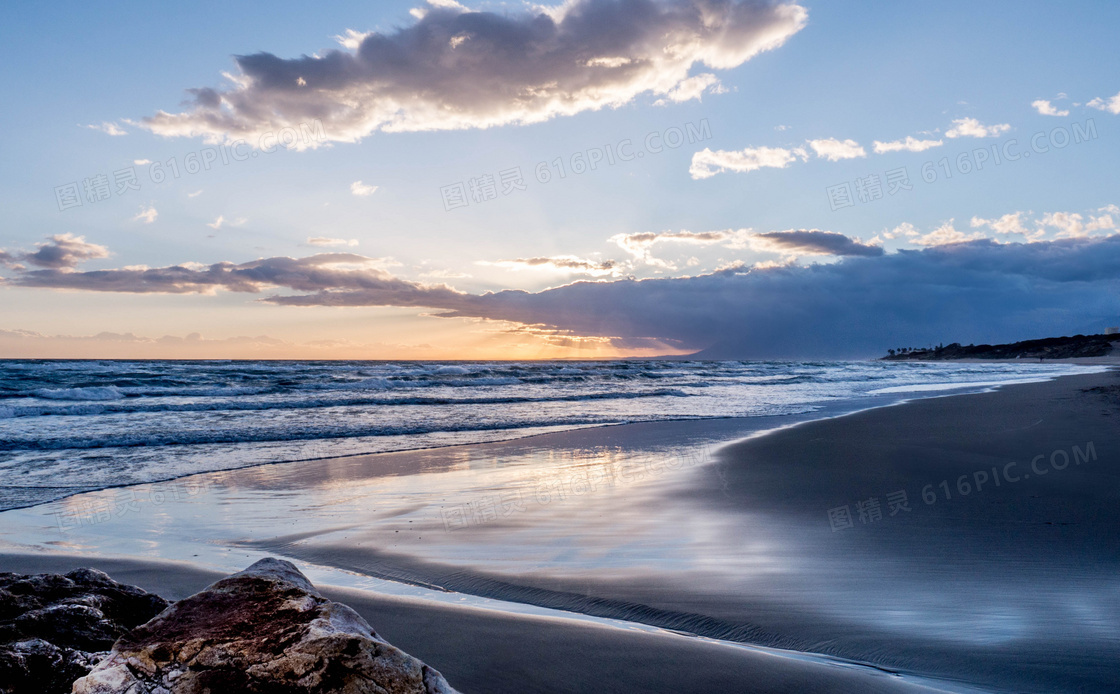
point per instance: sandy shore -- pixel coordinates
(1004, 586)
(482, 651)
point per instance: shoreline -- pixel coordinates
(559, 645)
(802, 608)
(850, 406)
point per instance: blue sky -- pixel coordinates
(851, 73)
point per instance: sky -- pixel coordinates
(592, 179)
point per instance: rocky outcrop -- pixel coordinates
(263, 630)
(54, 628)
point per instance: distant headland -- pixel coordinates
(1077, 346)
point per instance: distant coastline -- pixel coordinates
(1071, 347)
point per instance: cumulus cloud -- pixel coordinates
(1045, 108)
(946, 234)
(707, 163)
(61, 252)
(970, 127)
(812, 242)
(906, 230)
(362, 190)
(506, 69)
(1073, 225)
(910, 144)
(563, 263)
(146, 214)
(217, 223)
(835, 150)
(1011, 223)
(108, 128)
(1111, 104)
(325, 241)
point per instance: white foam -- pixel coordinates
(91, 393)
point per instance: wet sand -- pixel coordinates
(1007, 588)
(1010, 586)
(486, 651)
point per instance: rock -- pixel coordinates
(263, 630)
(55, 628)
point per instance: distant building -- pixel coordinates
(1112, 331)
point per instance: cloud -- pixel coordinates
(141, 162)
(910, 144)
(970, 127)
(977, 291)
(519, 68)
(60, 252)
(693, 88)
(946, 234)
(217, 223)
(1011, 223)
(362, 190)
(352, 40)
(707, 163)
(1045, 108)
(1112, 104)
(146, 215)
(812, 242)
(1072, 225)
(563, 263)
(108, 128)
(1067, 224)
(194, 194)
(835, 150)
(970, 292)
(324, 279)
(324, 241)
(445, 274)
(640, 245)
(906, 230)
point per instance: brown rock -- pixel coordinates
(263, 630)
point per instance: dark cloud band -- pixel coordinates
(980, 291)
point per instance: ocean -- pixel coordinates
(68, 427)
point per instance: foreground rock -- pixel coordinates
(264, 630)
(54, 628)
